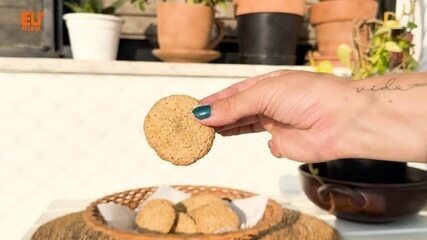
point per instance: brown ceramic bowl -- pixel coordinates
(364, 201)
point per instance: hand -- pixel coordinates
(307, 114)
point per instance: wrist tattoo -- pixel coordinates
(391, 85)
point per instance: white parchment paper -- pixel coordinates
(250, 210)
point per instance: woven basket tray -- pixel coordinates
(276, 224)
(294, 226)
(272, 217)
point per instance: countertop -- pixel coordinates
(139, 68)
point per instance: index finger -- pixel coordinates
(241, 86)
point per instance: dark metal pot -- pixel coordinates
(268, 38)
(365, 201)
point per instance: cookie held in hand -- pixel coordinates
(157, 216)
(172, 131)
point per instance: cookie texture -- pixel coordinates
(215, 218)
(200, 200)
(157, 216)
(185, 224)
(172, 131)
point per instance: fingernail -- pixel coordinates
(202, 112)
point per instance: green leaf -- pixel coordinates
(377, 41)
(404, 44)
(382, 65)
(412, 64)
(392, 24)
(109, 10)
(344, 54)
(139, 3)
(411, 26)
(324, 67)
(88, 9)
(392, 46)
(96, 5)
(118, 4)
(374, 58)
(374, 70)
(382, 30)
(114, 6)
(73, 7)
(222, 5)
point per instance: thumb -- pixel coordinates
(229, 110)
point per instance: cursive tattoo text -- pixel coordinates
(391, 85)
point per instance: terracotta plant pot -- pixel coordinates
(187, 26)
(270, 6)
(268, 30)
(333, 21)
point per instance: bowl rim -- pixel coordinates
(422, 183)
(91, 221)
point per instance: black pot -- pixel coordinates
(268, 38)
(367, 171)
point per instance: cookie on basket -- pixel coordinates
(185, 224)
(214, 218)
(197, 201)
(157, 216)
(172, 131)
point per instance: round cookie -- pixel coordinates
(215, 217)
(185, 224)
(156, 216)
(172, 131)
(200, 200)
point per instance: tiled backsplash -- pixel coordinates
(80, 136)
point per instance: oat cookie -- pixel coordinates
(156, 216)
(215, 217)
(200, 200)
(185, 224)
(172, 131)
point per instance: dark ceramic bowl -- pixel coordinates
(366, 201)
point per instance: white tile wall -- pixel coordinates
(79, 136)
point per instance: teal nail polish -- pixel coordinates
(202, 112)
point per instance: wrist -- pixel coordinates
(381, 126)
(354, 135)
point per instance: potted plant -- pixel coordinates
(333, 22)
(390, 49)
(94, 30)
(184, 30)
(268, 30)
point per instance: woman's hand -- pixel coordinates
(318, 117)
(304, 112)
